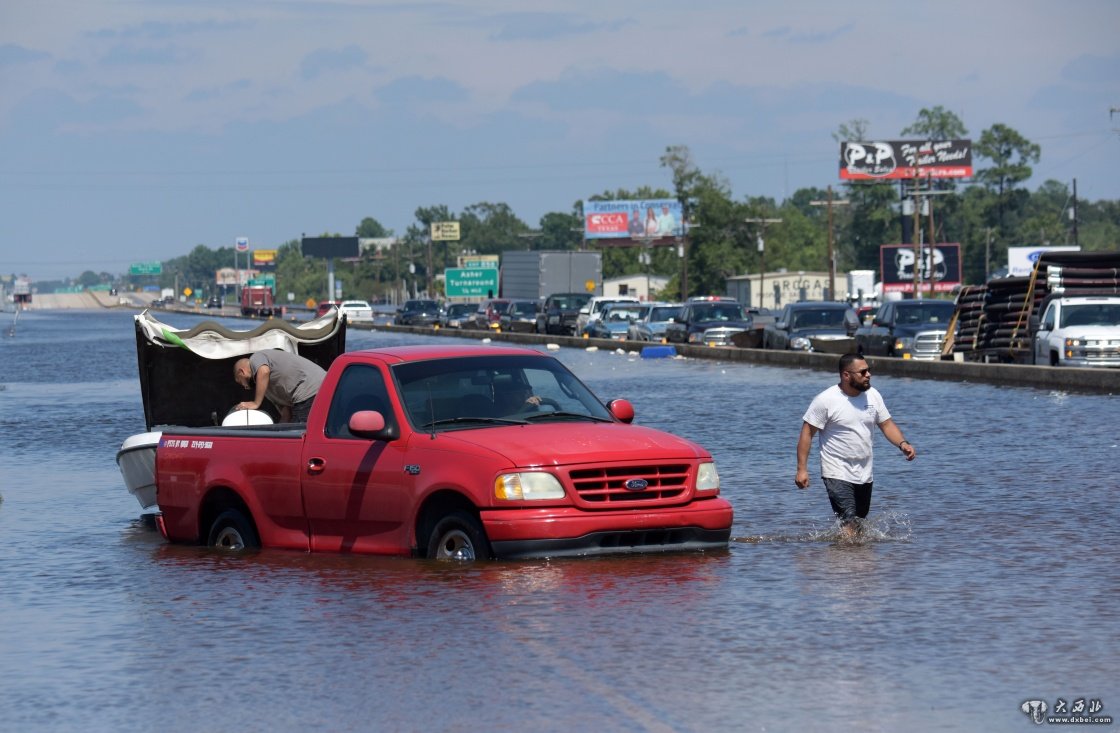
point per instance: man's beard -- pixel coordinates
(862, 386)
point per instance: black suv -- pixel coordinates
(419, 313)
(559, 313)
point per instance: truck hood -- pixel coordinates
(568, 442)
(705, 325)
(1090, 332)
(911, 329)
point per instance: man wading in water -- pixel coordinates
(844, 415)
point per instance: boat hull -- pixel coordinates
(137, 462)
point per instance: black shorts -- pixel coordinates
(849, 500)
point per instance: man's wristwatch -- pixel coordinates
(902, 443)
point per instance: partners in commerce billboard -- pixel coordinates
(635, 220)
(868, 161)
(941, 266)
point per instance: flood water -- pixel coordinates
(990, 576)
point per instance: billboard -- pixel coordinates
(634, 220)
(330, 247)
(889, 159)
(264, 259)
(1021, 260)
(942, 266)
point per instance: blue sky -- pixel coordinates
(134, 130)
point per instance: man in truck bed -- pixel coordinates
(289, 381)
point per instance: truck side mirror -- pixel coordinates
(370, 424)
(622, 410)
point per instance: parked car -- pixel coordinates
(594, 308)
(214, 302)
(457, 315)
(519, 316)
(324, 306)
(356, 311)
(560, 312)
(912, 329)
(488, 314)
(614, 322)
(651, 326)
(798, 324)
(711, 321)
(419, 312)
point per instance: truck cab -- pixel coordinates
(1079, 331)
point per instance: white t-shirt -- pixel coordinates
(845, 424)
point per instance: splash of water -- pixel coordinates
(889, 526)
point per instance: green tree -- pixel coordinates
(370, 228)
(937, 123)
(1011, 155)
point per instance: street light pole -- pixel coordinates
(762, 253)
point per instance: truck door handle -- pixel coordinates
(316, 465)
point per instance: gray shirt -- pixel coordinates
(292, 379)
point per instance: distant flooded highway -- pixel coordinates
(990, 577)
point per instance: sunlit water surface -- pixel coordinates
(988, 576)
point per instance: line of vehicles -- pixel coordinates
(914, 329)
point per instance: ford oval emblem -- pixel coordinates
(637, 484)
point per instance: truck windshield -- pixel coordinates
(1091, 314)
(925, 313)
(478, 391)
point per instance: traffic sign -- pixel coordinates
(471, 282)
(145, 268)
(445, 231)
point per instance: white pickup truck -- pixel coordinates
(1079, 330)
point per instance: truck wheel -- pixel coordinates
(232, 532)
(1053, 358)
(458, 536)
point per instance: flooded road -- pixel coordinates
(991, 577)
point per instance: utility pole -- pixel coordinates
(830, 202)
(1073, 212)
(762, 255)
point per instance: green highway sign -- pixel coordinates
(145, 268)
(475, 282)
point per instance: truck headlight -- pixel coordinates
(707, 478)
(903, 344)
(800, 343)
(527, 486)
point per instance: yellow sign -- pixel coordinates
(443, 231)
(590, 286)
(264, 256)
(310, 303)
(187, 292)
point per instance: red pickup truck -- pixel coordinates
(450, 452)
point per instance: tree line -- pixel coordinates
(985, 215)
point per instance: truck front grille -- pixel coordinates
(607, 484)
(927, 345)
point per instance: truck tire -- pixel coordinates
(1054, 358)
(232, 532)
(458, 536)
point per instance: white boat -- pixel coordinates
(186, 379)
